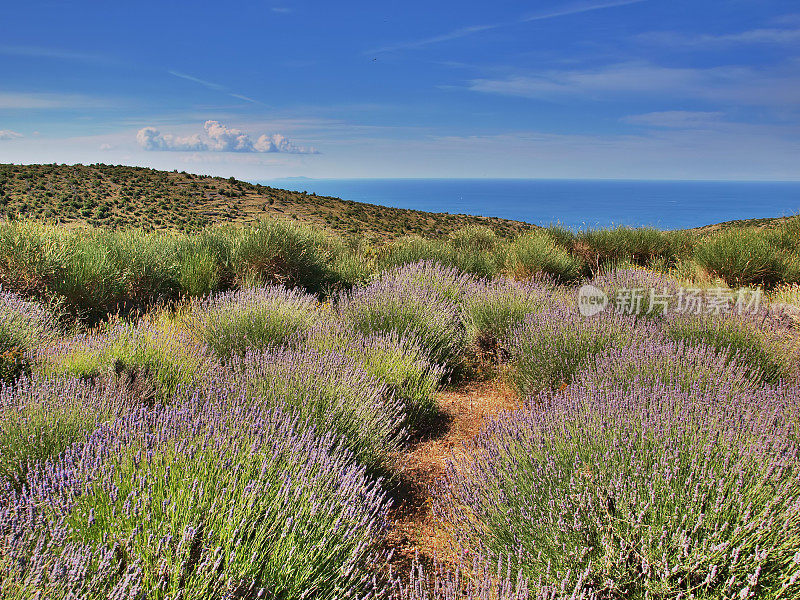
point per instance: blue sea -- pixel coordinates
(571, 203)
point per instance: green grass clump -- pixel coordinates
(280, 252)
(788, 294)
(535, 253)
(747, 257)
(232, 323)
(643, 246)
(476, 250)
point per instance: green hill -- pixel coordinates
(122, 196)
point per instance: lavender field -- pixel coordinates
(248, 442)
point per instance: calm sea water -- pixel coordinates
(572, 203)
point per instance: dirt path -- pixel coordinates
(464, 409)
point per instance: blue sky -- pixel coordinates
(647, 89)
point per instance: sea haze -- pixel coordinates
(572, 203)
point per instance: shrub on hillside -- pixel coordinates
(754, 342)
(685, 365)
(747, 257)
(641, 246)
(637, 291)
(280, 252)
(470, 250)
(535, 253)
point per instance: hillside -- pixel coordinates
(122, 196)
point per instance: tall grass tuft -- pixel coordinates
(643, 246)
(747, 257)
(536, 253)
(255, 318)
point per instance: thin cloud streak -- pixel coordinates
(208, 84)
(752, 36)
(57, 53)
(212, 86)
(465, 31)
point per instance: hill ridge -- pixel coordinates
(124, 196)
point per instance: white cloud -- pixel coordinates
(106, 146)
(7, 134)
(218, 138)
(151, 138)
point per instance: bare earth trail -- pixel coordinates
(464, 410)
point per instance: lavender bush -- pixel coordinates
(420, 302)
(478, 579)
(215, 497)
(430, 276)
(645, 492)
(396, 362)
(550, 345)
(254, 318)
(332, 391)
(637, 291)
(494, 307)
(40, 418)
(757, 341)
(689, 367)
